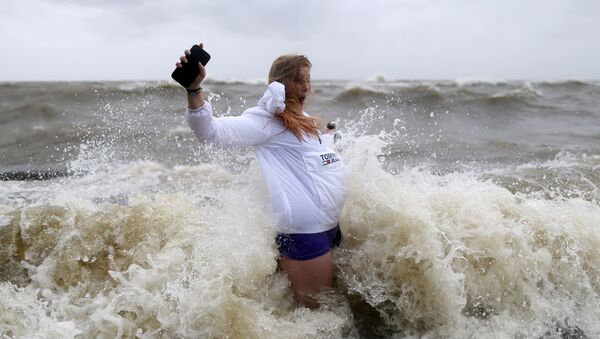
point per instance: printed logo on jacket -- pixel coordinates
(329, 158)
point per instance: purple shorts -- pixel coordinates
(305, 246)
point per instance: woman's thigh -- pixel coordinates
(308, 277)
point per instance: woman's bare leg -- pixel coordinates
(308, 277)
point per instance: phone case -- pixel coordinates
(186, 74)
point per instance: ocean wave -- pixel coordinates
(32, 110)
(112, 88)
(422, 247)
(356, 92)
(28, 316)
(424, 90)
(145, 248)
(446, 244)
(9, 85)
(252, 82)
(573, 83)
(525, 91)
(159, 87)
(469, 81)
(179, 264)
(32, 175)
(568, 174)
(142, 248)
(568, 159)
(415, 92)
(377, 78)
(135, 86)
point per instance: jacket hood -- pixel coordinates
(273, 101)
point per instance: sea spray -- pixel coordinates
(472, 212)
(161, 264)
(453, 255)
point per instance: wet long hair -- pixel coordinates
(285, 70)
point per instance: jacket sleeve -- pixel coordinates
(244, 130)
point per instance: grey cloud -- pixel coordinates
(344, 38)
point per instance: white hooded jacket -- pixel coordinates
(306, 180)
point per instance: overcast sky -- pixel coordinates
(345, 39)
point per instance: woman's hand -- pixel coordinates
(202, 70)
(195, 99)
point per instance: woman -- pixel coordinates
(306, 179)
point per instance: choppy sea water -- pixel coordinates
(473, 211)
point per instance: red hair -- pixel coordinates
(285, 70)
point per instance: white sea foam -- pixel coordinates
(126, 249)
(471, 81)
(446, 256)
(452, 255)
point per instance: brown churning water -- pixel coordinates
(473, 211)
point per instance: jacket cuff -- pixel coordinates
(201, 111)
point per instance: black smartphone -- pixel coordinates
(186, 74)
